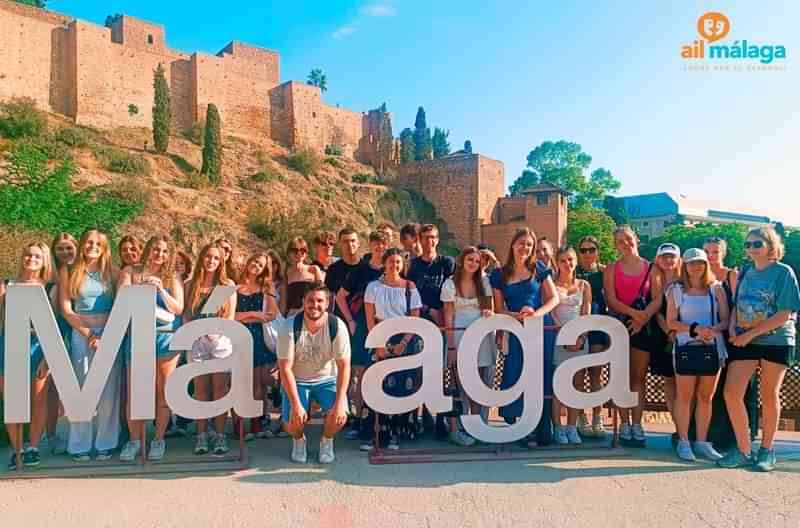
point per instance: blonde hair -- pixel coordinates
(772, 239)
(56, 241)
(78, 271)
(265, 278)
(199, 278)
(707, 280)
(167, 271)
(566, 250)
(46, 273)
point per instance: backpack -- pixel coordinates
(333, 327)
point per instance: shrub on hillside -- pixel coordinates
(333, 150)
(75, 137)
(333, 162)
(366, 178)
(194, 134)
(20, 118)
(305, 161)
(117, 160)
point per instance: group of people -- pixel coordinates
(690, 318)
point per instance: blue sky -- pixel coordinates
(509, 75)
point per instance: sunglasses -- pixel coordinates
(713, 240)
(755, 244)
(298, 250)
(328, 244)
(587, 250)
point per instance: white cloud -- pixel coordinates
(378, 10)
(343, 32)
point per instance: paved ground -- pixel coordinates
(650, 488)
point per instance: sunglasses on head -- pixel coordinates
(587, 250)
(713, 240)
(755, 244)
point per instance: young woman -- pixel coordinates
(634, 294)
(393, 296)
(591, 270)
(183, 265)
(86, 293)
(349, 300)
(299, 276)
(229, 257)
(717, 248)
(158, 270)
(130, 251)
(278, 276)
(668, 263)
(697, 311)
(63, 249)
(574, 300)
(209, 273)
(762, 333)
(35, 269)
(255, 306)
(521, 291)
(467, 296)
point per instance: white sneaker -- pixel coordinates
(572, 435)
(583, 426)
(299, 450)
(561, 436)
(461, 438)
(638, 433)
(157, 450)
(685, 452)
(201, 444)
(220, 445)
(326, 455)
(706, 450)
(130, 451)
(625, 433)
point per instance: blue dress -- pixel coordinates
(518, 295)
(163, 338)
(36, 349)
(255, 303)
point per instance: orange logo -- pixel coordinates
(713, 26)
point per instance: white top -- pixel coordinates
(697, 309)
(466, 308)
(314, 355)
(569, 306)
(390, 301)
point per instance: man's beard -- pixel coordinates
(310, 317)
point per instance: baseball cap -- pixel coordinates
(694, 254)
(668, 249)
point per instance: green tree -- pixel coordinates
(439, 143)
(588, 220)
(468, 147)
(34, 3)
(694, 236)
(161, 110)
(386, 143)
(407, 147)
(19, 118)
(565, 164)
(423, 144)
(318, 78)
(792, 242)
(212, 146)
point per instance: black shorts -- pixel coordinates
(598, 338)
(780, 354)
(643, 340)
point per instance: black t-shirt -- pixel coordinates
(319, 264)
(429, 277)
(595, 280)
(337, 273)
(358, 279)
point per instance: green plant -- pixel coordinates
(195, 133)
(305, 161)
(117, 160)
(212, 146)
(202, 226)
(20, 118)
(133, 109)
(183, 165)
(75, 137)
(194, 180)
(277, 228)
(333, 162)
(333, 150)
(161, 110)
(366, 179)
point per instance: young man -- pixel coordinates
(409, 239)
(387, 229)
(429, 271)
(324, 243)
(339, 270)
(314, 364)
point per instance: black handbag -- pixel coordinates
(700, 359)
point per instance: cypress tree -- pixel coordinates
(212, 146)
(423, 147)
(407, 146)
(468, 147)
(441, 147)
(161, 111)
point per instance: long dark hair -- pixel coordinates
(530, 264)
(484, 297)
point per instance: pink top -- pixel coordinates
(627, 286)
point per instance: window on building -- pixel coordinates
(645, 224)
(150, 39)
(541, 199)
(314, 115)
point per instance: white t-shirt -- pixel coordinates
(390, 301)
(465, 308)
(314, 355)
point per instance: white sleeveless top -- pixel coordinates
(697, 309)
(569, 306)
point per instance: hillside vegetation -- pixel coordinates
(56, 176)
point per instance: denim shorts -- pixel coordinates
(323, 392)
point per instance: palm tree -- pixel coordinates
(318, 79)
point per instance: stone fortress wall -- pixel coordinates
(103, 77)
